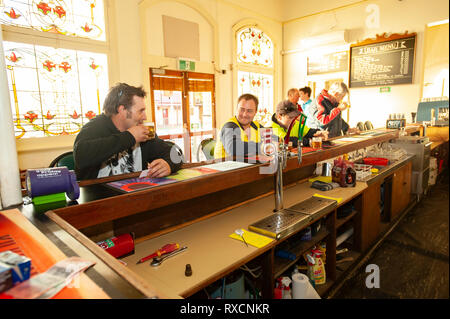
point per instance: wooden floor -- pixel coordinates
(413, 258)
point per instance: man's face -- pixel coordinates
(294, 97)
(136, 114)
(304, 96)
(285, 119)
(246, 111)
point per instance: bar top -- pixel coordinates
(211, 252)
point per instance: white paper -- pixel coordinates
(144, 173)
(227, 165)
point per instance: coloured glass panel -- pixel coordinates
(254, 47)
(260, 85)
(54, 91)
(78, 18)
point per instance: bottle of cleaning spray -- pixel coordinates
(316, 268)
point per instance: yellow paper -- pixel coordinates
(326, 179)
(253, 239)
(185, 173)
(338, 199)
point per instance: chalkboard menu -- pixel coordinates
(328, 63)
(382, 63)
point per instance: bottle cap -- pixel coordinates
(188, 271)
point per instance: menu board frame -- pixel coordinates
(379, 40)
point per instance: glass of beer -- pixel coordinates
(316, 142)
(151, 129)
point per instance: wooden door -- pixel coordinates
(183, 108)
(401, 190)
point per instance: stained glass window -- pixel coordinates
(255, 70)
(53, 91)
(79, 18)
(260, 85)
(254, 47)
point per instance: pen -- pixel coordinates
(163, 250)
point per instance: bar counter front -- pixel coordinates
(202, 212)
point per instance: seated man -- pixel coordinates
(325, 111)
(240, 135)
(116, 142)
(286, 112)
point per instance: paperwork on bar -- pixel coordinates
(227, 165)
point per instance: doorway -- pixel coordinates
(183, 108)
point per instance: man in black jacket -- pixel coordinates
(116, 142)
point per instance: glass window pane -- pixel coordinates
(260, 85)
(254, 47)
(168, 112)
(53, 91)
(74, 18)
(200, 111)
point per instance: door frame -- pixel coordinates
(185, 75)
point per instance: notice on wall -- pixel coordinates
(384, 63)
(328, 63)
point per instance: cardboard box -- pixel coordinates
(6, 281)
(20, 265)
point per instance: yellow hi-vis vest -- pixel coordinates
(281, 132)
(255, 136)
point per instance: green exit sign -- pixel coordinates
(186, 65)
(385, 89)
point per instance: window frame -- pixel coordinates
(11, 33)
(240, 66)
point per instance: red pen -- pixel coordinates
(162, 251)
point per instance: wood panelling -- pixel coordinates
(401, 190)
(370, 215)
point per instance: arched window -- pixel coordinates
(255, 74)
(56, 82)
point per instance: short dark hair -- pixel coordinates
(306, 90)
(121, 94)
(248, 96)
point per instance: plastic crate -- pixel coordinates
(362, 171)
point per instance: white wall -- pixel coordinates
(394, 17)
(216, 19)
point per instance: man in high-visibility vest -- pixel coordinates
(286, 112)
(240, 135)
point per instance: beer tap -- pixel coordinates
(281, 157)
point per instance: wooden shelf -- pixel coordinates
(281, 264)
(342, 221)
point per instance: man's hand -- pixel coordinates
(324, 134)
(158, 168)
(353, 130)
(343, 106)
(140, 133)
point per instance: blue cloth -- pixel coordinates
(305, 105)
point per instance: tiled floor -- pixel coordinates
(413, 258)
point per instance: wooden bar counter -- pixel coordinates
(200, 213)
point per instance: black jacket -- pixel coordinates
(99, 140)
